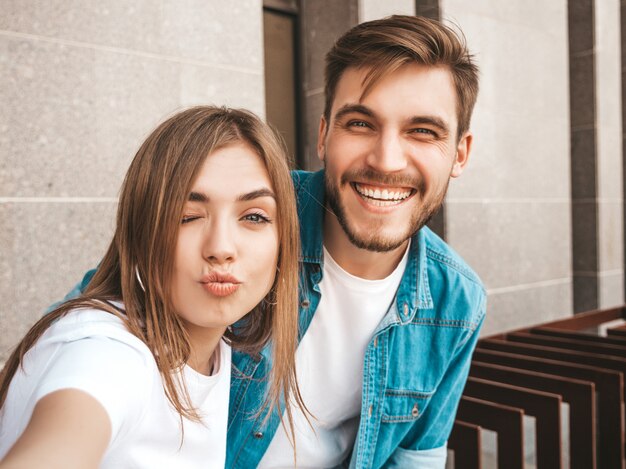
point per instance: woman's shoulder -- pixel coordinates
(96, 323)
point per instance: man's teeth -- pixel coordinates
(384, 195)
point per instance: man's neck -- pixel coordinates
(359, 262)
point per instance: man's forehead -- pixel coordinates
(414, 87)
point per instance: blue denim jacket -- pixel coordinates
(415, 366)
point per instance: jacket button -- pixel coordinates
(405, 309)
(415, 411)
(305, 303)
(258, 435)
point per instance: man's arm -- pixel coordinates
(68, 428)
(425, 445)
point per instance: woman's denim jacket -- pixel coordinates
(415, 366)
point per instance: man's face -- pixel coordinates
(389, 154)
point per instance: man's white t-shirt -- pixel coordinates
(329, 364)
(91, 350)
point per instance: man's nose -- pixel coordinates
(388, 154)
(219, 244)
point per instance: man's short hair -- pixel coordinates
(387, 44)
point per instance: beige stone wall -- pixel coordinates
(509, 213)
(81, 84)
(610, 190)
(373, 9)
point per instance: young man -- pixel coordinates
(389, 313)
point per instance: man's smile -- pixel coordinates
(382, 196)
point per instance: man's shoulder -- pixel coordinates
(440, 253)
(302, 179)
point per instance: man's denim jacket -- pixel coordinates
(415, 366)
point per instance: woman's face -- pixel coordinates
(227, 248)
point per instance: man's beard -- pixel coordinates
(373, 240)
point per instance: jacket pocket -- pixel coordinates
(403, 405)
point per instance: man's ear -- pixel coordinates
(463, 150)
(321, 139)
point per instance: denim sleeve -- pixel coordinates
(424, 459)
(432, 429)
(75, 292)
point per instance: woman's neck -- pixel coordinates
(204, 343)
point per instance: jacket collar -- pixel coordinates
(311, 209)
(414, 290)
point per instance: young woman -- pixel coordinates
(136, 372)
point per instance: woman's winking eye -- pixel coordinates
(188, 218)
(257, 218)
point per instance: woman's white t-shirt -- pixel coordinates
(91, 350)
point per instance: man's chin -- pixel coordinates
(375, 242)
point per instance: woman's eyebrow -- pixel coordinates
(198, 197)
(264, 192)
(203, 198)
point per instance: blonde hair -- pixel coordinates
(138, 264)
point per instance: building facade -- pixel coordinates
(539, 212)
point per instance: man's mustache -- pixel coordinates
(375, 177)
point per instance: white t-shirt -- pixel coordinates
(329, 364)
(91, 350)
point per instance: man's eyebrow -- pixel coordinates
(430, 120)
(350, 108)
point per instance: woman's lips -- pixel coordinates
(220, 289)
(220, 283)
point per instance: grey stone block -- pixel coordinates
(583, 164)
(585, 293)
(610, 183)
(196, 31)
(428, 8)
(314, 108)
(512, 244)
(532, 14)
(581, 27)
(373, 9)
(76, 111)
(585, 236)
(506, 163)
(323, 22)
(582, 91)
(44, 250)
(611, 290)
(610, 236)
(513, 60)
(525, 307)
